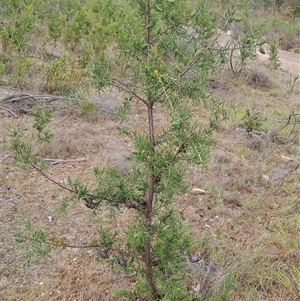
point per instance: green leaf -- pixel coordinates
(140, 187)
(176, 123)
(262, 43)
(144, 46)
(151, 24)
(125, 130)
(261, 50)
(193, 13)
(177, 68)
(236, 19)
(130, 260)
(159, 30)
(158, 8)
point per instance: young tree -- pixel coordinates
(274, 61)
(169, 50)
(19, 21)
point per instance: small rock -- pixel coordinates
(121, 262)
(210, 268)
(198, 191)
(196, 288)
(193, 258)
(103, 254)
(286, 159)
(266, 177)
(261, 135)
(147, 223)
(240, 130)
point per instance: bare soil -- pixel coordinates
(289, 61)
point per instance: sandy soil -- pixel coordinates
(290, 62)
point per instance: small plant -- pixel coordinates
(87, 107)
(2, 68)
(23, 154)
(170, 51)
(35, 239)
(15, 32)
(57, 78)
(251, 121)
(20, 72)
(42, 117)
(274, 61)
(292, 82)
(21, 144)
(63, 75)
(217, 112)
(55, 25)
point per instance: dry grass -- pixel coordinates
(247, 225)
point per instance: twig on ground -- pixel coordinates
(285, 176)
(287, 122)
(9, 111)
(59, 161)
(19, 97)
(5, 156)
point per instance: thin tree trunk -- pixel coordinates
(148, 214)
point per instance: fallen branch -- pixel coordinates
(286, 122)
(280, 120)
(58, 161)
(289, 121)
(283, 179)
(9, 111)
(19, 97)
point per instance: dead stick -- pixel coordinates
(8, 110)
(58, 161)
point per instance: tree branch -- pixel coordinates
(9, 111)
(91, 196)
(287, 122)
(121, 87)
(157, 36)
(19, 97)
(281, 183)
